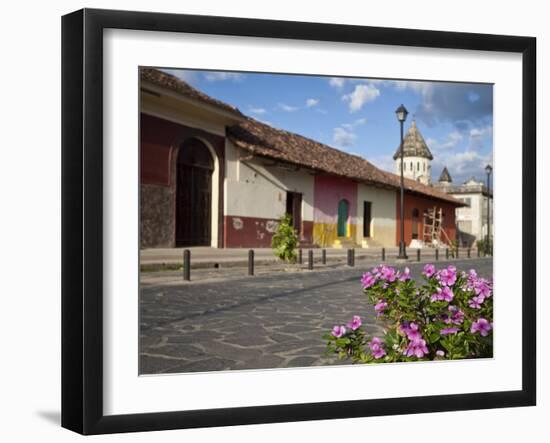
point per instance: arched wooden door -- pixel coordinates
(194, 194)
(343, 214)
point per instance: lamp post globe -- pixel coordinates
(401, 114)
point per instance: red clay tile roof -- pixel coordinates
(267, 141)
(173, 83)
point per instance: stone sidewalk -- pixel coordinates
(275, 320)
(206, 257)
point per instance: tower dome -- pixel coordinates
(445, 177)
(416, 156)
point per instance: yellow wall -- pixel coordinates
(325, 234)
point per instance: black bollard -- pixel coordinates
(457, 252)
(469, 252)
(300, 256)
(436, 254)
(351, 257)
(186, 264)
(383, 254)
(447, 253)
(418, 255)
(324, 256)
(310, 260)
(251, 262)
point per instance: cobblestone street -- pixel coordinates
(275, 319)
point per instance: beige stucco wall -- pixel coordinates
(383, 215)
(254, 187)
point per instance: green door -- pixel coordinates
(343, 212)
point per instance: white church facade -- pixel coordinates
(417, 157)
(472, 220)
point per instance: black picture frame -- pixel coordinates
(82, 218)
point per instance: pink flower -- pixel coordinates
(440, 353)
(447, 276)
(338, 331)
(411, 331)
(475, 302)
(406, 275)
(482, 326)
(368, 280)
(482, 288)
(388, 273)
(443, 294)
(376, 348)
(446, 331)
(429, 270)
(456, 316)
(380, 306)
(355, 323)
(416, 348)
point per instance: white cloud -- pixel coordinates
(451, 141)
(343, 138)
(310, 102)
(422, 88)
(361, 95)
(257, 111)
(479, 137)
(384, 162)
(287, 108)
(223, 76)
(354, 124)
(463, 165)
(337, 82)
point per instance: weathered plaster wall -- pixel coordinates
(255, 198)
(329, 190)
(383, 214)
(160, 140)
(423, 203)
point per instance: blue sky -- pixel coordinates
(357, 115)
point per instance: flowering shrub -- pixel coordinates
(447, 315)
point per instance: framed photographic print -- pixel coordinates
(269, 221)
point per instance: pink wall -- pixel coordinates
(329, 190)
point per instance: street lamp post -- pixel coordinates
(401, 114)
(488, 170)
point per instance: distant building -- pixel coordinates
(211, 176)
(471, 220)
(417, 157)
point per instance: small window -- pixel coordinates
(424, 167)
(412, 167)
(418, 166)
